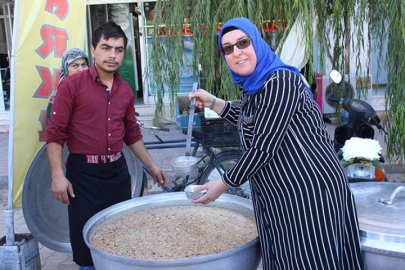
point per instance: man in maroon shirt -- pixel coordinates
(94, 114)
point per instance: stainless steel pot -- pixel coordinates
(184, 164)
(381, 213)
(245, 257)
(47, 218)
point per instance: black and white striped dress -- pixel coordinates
(304, 207)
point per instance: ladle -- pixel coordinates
(187, 164)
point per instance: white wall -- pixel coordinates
(354, 46)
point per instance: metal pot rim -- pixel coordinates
(381, 247)
(124, 207)
(381, 225)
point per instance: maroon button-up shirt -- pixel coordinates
(91, 119)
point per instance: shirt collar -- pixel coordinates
(94, 75)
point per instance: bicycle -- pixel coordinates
(211, 166)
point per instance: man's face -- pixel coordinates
(108, 54)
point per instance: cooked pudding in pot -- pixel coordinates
(175, 232)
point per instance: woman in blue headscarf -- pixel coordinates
(304, 207)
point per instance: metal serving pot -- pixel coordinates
(47, 218)
(184, 164)
(381, 213)
(245, 257)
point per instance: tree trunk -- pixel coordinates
(347, 43)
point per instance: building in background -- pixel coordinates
(136, 19)
(6, 29)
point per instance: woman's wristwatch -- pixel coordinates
(213, 103)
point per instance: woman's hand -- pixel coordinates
(214, 190)
(202, 98)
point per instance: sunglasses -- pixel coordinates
(241, 44)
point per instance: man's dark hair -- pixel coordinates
(108, 30)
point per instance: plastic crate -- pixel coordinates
(182, 121)
(218, 133)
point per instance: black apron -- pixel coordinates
(96, 187)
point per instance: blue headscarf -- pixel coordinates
(267, 60)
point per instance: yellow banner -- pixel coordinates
(46, 29)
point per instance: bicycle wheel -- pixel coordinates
(224, 161)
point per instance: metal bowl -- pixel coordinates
(193, 195)
(380, 209)
(244, 257)
(184, 164)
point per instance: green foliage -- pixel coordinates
(342, 19)
(394, 18)
(127, 69)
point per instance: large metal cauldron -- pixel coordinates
(47, 218)
(382, 224)
(245, 257)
